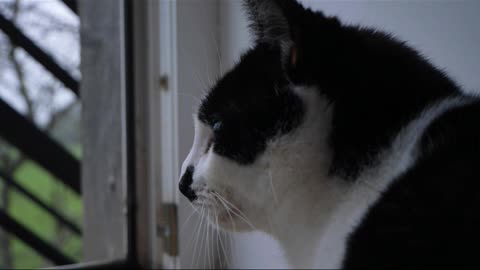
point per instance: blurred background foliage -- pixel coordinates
(34, 92)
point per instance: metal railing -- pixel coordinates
(40, 147)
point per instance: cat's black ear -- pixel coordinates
(266, 20)
(276, 22)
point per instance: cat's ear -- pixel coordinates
(276, 22)
(267, 20)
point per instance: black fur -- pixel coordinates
(253, 104)
(429, 217)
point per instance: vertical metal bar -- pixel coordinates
(130, 133)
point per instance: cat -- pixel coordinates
(341, 142)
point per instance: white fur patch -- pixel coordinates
(200, 141)
(395, 160)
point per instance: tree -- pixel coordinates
(40, 98)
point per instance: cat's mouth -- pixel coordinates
(221, 212)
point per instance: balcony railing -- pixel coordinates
(39, 147)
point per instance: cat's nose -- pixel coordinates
(185, 184)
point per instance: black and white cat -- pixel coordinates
(341, 142)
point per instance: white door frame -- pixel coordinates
(184, 60)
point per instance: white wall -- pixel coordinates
(197, 68)
(447, 32)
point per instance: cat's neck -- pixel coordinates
(301, 222)
(307, 196)
(313, 223)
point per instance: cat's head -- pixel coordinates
(259, 128)
(313, 101)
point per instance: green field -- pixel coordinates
(54, 193)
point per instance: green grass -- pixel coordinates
(46, 187)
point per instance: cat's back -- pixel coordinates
(430, 215)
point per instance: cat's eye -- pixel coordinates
(216, 126)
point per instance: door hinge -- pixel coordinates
(167, 228)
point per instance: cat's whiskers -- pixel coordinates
(217, 255)
(220, 243)
(269, 221)
(230, 237)
(207, 242)
(195, 211)
(225, 207)
(210, 230)
(209, 204)
(204, 86)
(218, 52)
(274, 194)
(211, 239)
(232, 206)
(202, 244)
(207, 66)
(234, 210)
(198, 232)
(194, 235)
(190, 96)
(231, 245)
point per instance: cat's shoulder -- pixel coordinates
(430, 213)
